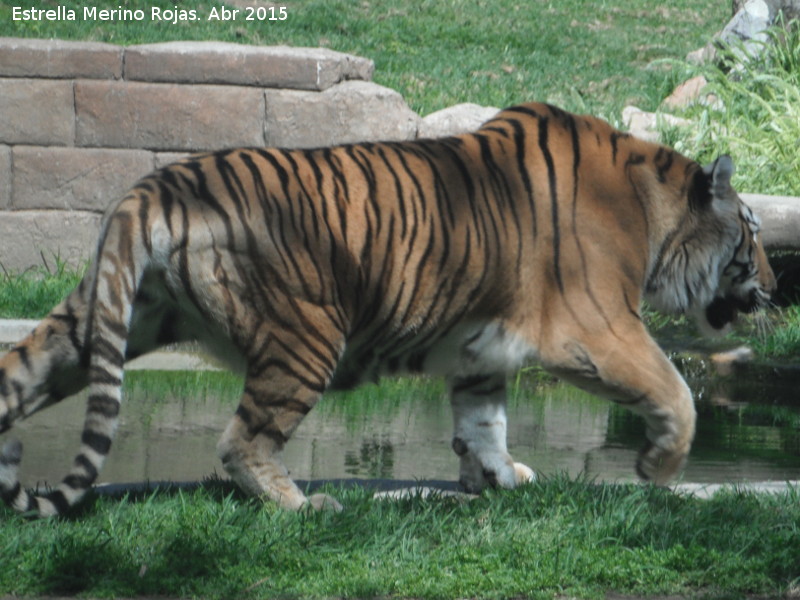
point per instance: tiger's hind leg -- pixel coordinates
(479, 433)
(632, 371)
(280, 389)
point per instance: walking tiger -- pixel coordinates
(535, 238)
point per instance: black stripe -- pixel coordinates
(87, 465)
(99, 442)
(462, 384)
(104, 405)
(144, 219)
(77, 482)
(10, 496)
(59, 501)
(22, 352)
(663, 162)
(552, 181)
(522, 167)
(108, 351)
(272, 432)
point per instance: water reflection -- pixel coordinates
(402, 430)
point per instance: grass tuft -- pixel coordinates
(755, 118)
(558, 537)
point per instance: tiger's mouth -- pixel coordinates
(724, 310)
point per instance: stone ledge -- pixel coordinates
(237, 64)
(59, 59)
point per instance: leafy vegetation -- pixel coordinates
(557, 537)
(753, 115)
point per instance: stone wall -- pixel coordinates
(80, 122)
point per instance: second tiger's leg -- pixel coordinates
(479, 433)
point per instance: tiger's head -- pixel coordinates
(715, 265)
(746, 281)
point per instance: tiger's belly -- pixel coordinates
(467, 349)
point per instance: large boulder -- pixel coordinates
(461, 118)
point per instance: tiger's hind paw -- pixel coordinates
(324, 502)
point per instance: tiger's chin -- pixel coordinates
(717, 318)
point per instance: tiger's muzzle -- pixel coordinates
(724, 310)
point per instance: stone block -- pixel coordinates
(30, 235)
(159, 116)
(36, 111)
(353, 111)
(461, 118)
(74, 178)
(59, 59)
(5, 177)
(237, 64)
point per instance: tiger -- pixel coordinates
(533, 240)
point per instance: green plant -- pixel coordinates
(754, 115)
(34, 292)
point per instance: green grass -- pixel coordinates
(33, 293)
(585, 56)
(758, 120)
(556, 538)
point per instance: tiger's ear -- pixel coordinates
(720, 172)
(712, 182)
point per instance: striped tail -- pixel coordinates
(117, 272)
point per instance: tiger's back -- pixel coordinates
(533, 238)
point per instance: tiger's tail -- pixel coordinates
(122, 256)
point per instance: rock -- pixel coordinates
(749, 23)
(352, 111)
(748, 28)
(643, 124)
(686, 93)
(707, 53)
(461, 118)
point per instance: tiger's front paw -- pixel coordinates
(324, 502)
(497, 471)
(659, 466)
(524, 473)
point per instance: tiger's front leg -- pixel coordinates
(632, 371)
(479, 433)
